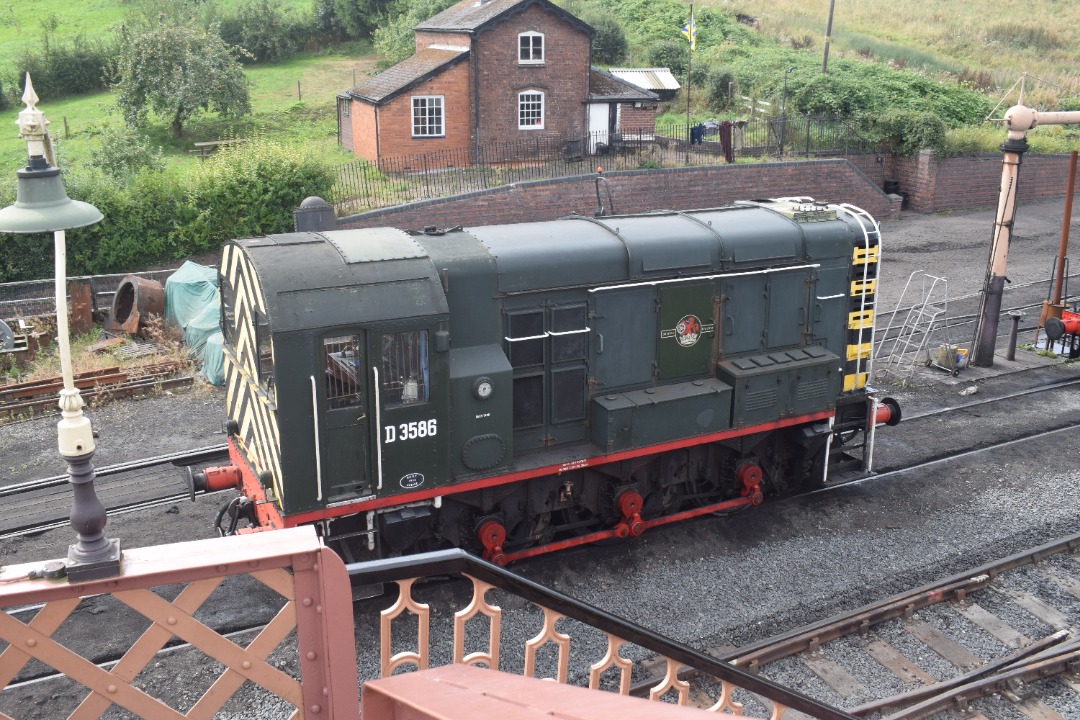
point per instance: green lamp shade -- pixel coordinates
(42, 205)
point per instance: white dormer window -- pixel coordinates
(531, 110)
(531, 48)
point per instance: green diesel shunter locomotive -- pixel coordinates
(515, 389)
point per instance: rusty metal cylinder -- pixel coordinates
(136, 299)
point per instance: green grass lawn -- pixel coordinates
(276, 113)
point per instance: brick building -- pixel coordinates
(486, 72)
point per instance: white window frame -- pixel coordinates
(442, 116)
(520, 110)
(531, 34)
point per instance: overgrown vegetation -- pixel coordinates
(910, 77)
(153, 216)
(394, 39)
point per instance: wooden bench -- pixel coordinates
(204, 149)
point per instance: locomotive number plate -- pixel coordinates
(410, 430)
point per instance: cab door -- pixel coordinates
(409, 383)
(342, 457)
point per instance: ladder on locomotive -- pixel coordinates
(867, 301)
(911, 342)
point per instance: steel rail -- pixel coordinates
(808, 637)
(957, 456)
(986, 401)
(443, 562)
(109, 512)
(1027, 659)
(116, 390)
(183, 457)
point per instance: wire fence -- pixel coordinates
(362, 185)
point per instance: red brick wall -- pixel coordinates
(563, 77)
(640, 191)
(395, 117)
(937, 185)
(363, 130)
(635, 120)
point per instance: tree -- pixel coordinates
(360, 17)
(395, 39)
(176, 70)
(610, 45)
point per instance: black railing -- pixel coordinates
(452, 562)
(364, 186)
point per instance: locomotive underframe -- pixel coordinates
(613, 500)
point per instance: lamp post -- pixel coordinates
(42, 206)
(783, 111)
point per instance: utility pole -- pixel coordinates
(828, 37)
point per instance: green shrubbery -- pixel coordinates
(61, 68)
(249, 189)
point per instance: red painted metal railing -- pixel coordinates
(312, 595)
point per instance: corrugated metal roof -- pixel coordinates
(648, 78)
(407, 72)
(605, 86)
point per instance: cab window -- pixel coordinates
(344, 364)
(403, 369)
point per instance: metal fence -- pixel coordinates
(362, 185)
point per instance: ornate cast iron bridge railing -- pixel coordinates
(102, 641)
(724, 686)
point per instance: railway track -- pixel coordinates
(155, 481)
(1001, 634)
(21, 400)
(39, 505)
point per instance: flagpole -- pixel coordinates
(689, 63)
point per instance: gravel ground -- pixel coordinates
(711, 583)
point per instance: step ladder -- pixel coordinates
(905, 345)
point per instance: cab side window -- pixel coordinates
(403, 368)
(344, 364)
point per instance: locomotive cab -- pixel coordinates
(334, 396)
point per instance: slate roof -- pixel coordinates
(472, 15)
(407, 73)
(605, 86)
(648, 78)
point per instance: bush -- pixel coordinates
(250, 189)
(716, 87)
(66, 68)
(395, 39)
(151, 217)
(905, 132)
(122, 152)
(671, 54)
(263, 28)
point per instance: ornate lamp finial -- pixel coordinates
(33, 127)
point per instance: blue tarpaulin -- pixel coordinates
(193, 304)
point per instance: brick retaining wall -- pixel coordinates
(639, 191)
(931, 184)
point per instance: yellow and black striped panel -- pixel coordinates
(247, 402)
(860, 335)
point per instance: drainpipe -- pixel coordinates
(475, 59)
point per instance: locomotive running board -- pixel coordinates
(557, 469)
